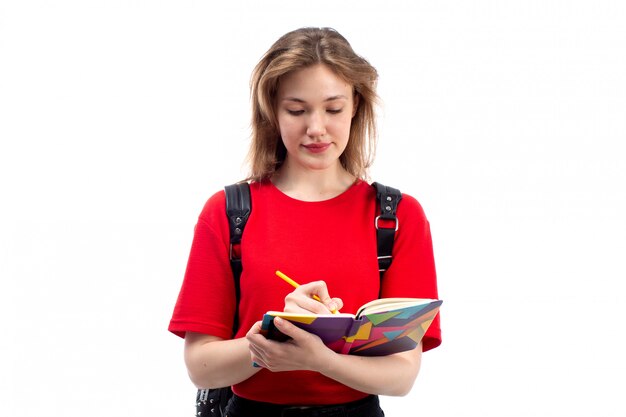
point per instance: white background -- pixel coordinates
(506, 119)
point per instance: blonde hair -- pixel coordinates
(296, 50)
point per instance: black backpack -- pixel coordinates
(212, 402)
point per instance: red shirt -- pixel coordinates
(332, 240)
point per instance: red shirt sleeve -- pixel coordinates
(206, 300)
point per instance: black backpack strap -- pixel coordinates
(238, 209)
(388, 199)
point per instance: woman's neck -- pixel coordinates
(313, 185)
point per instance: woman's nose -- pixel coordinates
(316, 125)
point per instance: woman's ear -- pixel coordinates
(355, 103)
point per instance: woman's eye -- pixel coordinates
(295, 112)
(334, 111)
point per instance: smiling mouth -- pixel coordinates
(316, 147)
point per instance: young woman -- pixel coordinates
(313, 216)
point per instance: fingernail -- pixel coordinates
(256, 365)
(278, 320)
(332, 306)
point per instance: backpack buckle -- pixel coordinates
(234, 252)
(384, 262)
(378, 218)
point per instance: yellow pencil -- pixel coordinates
(296, 285)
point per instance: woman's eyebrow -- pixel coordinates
(331, 98)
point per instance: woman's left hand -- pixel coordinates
(304, 351)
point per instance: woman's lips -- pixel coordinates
(316, 147)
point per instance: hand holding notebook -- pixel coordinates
(380, 327)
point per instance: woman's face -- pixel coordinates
(314, 108)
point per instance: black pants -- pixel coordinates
(241, 407)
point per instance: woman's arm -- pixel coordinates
(213, 362)
(382, 375)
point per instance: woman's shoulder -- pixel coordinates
(407, 205)
(411, 204)
(411, 215)
(217, 201)
(218, 198)
(214, 208)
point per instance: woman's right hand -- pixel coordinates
(301, 299)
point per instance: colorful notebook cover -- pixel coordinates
(380, 333)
